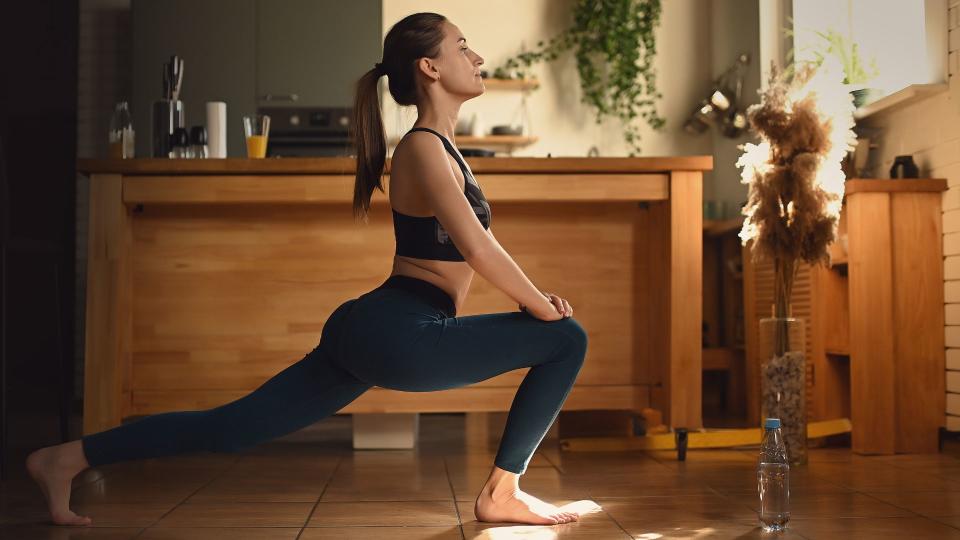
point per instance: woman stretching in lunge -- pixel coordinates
(404, 334)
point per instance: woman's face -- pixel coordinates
(457, 67)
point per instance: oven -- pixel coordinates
(308, 131)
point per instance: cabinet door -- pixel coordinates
(315, 49)
(216, 39)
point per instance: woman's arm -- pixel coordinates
(478, 246)
(496, 261)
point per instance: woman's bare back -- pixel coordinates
(453, 277)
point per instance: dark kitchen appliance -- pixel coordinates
(308, 131)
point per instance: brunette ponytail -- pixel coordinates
(413, 37)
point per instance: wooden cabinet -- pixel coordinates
(723, 338)
(207, 277)
(875, 320)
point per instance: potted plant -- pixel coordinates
(796, 186)
(614, 45)
(856, 74)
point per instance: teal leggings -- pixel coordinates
(403, 335)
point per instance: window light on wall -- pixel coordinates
(907, 38)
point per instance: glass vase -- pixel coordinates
(783, 380)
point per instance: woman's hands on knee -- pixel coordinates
(561, 309)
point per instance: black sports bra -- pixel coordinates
(423, 237)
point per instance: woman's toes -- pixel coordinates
(560, 517)
(72, 519)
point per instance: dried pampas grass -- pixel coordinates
(795, 177)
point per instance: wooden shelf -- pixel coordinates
(497, 140)
(888, 185)
(900, 98)
(719, 358)
(716, 227)
(511, 84)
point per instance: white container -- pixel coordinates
(217, 129)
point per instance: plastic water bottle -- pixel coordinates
(773, 478)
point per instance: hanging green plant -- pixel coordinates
(614, 45)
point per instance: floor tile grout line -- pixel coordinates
(212, 480)
(932, 518)
(730, 499)
(615, 522)
(453, 494)
(316, 504)
(552, 464)
(887, 502)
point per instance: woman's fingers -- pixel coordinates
(561, 304)
(557, 302)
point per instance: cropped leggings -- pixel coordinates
(403, 335)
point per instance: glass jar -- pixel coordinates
(121, 132)
(783, 380)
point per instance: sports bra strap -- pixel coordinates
(446, 144)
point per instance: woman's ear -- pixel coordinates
(428, 68)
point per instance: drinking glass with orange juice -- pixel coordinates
(256, 128)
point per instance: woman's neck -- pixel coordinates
(442, 119)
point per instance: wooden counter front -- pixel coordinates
(207, 277)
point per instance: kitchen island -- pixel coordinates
(207, 277)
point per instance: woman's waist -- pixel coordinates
(436, 300)
(452, 277)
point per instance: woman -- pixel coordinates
(442, 225)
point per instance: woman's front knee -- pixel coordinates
(575, 331)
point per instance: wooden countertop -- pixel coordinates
(861, 185)
(346, 165)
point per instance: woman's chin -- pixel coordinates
(476, 93)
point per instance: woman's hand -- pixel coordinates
(561, 309)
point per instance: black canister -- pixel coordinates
(198, 142)
(904, 167)
(167, 116)
(180, 144)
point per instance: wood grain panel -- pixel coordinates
(918, 321)
(348, 165)
(228, 296)
(108, 311)
(686, 298)
(314, 189)
(873, 405)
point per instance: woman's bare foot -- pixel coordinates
(53, 468)
(502, 501)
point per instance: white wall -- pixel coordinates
(735, 29)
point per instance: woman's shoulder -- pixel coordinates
(418, 147)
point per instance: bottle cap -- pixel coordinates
(180, 137)
(772, 423)
(198, 135)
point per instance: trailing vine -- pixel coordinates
(614, 45)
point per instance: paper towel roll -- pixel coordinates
(217, 128)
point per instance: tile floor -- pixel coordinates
(312, 485)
